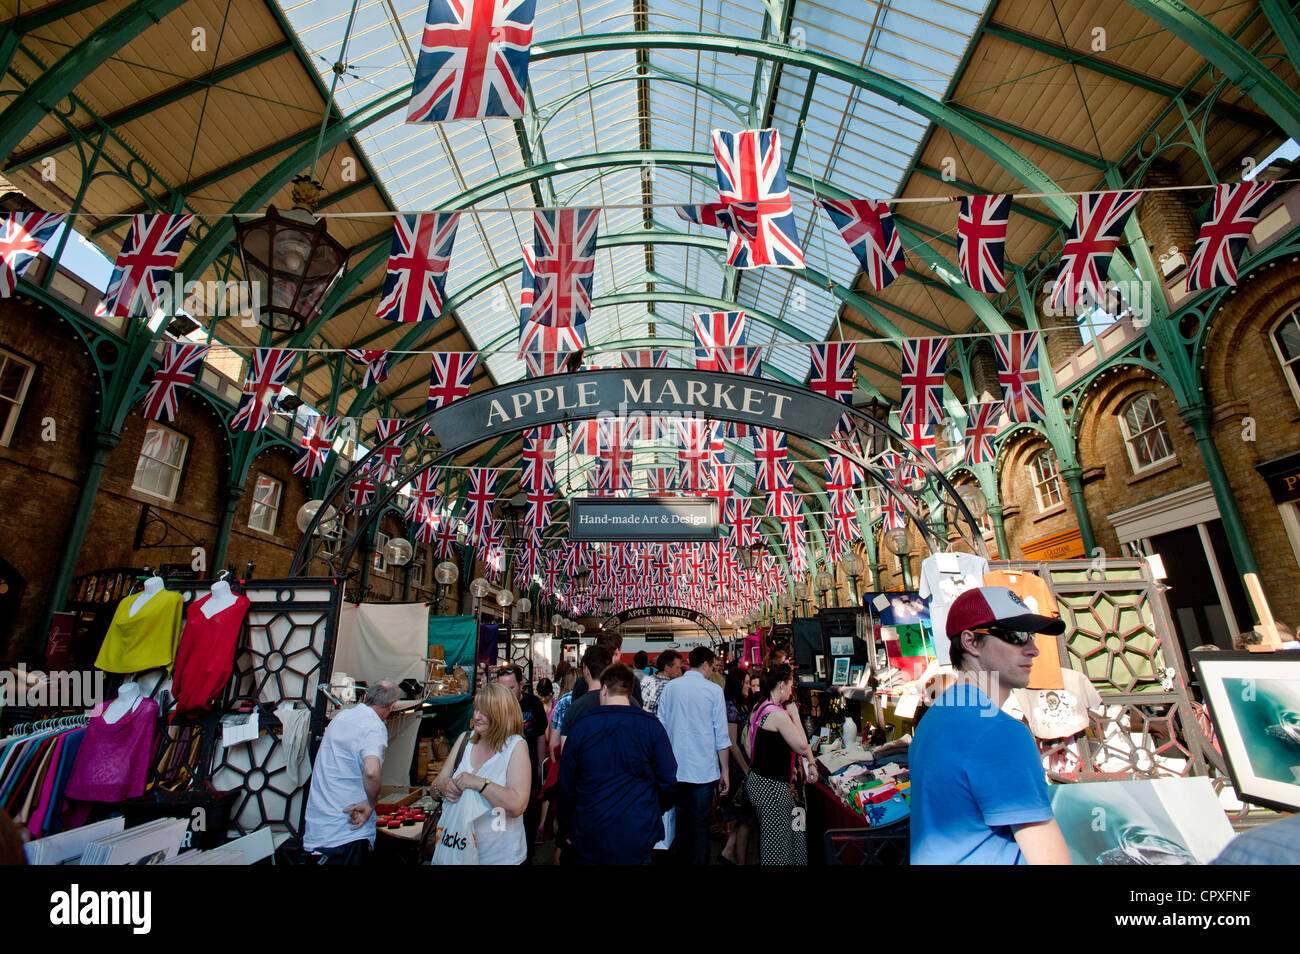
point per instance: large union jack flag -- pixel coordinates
(416, 284)
(981, 428)
(924, 363)
(362, 490)
(769, 457)
(374, 365)
(317, 439)
(267, 375)
(868, 229)
(445, 537)
(182, 362)
(145, 265)
(655, 358)
(473, 60)
(425, 518)
(384, 465)
(694, 454)
(1224, 233)
(714, 330)
(478, 504)
(22, 236)
(450, 377)
(1018, 374)
(891, 509)
(751, 179)
(564, 261)
(832, 370)
(424, 492)
(982, 239)
(1085, 258)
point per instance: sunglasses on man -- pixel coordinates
(1010, 636)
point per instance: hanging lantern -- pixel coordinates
(292, 258)
(446, 573)
(478, 587)
(504, 598)
(976, 502)
(872, 440)
(399, 552)
(896, 541)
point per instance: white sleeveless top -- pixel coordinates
(500, 838)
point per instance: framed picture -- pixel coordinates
(819, 667)
(841, 645)
(1254, 700)
(841, 676)
(855, 676)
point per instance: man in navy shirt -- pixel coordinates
(979, 795)
(618, 776)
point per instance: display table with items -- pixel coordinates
(859, 807)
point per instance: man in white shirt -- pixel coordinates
(694, 713)
(345, 781)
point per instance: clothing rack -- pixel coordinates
(57, 722)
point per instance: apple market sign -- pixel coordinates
(661, 611)
(632, 393)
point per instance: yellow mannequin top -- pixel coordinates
(146, 640)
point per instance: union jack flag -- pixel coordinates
(714, 330)
(547, 350)
(832, 370)
(1223, 235)
(868, 229)
(564, 261)
(181, 365)
(540, 494)
(982, 239)
(1094, 235)
(145, 265)
(450, 377)
(361, 491)
(478, 504)
(981, 428)
(416, 284)
(656, 358)
(663, 480)
(374, 363)
(585, 437)
(891, 510)
(746, 360)
(1018, 374)
(751, 179)
(22, 236)
(723, 476)
(738, 218)
(473, 60)
(426, 519)
(527, 287)
(924, 362)
(901, 471)
(423, 491)
(267, 375)
(317, 439)
(445, 537)
(384, 465)
(694, 454)
(769, 457)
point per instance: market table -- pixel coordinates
(839, 835)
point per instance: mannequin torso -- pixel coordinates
(128, 697)
(152, 587)
(220, 598)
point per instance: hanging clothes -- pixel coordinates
(944, 577)
(34, 770)
(146, 640)
(295, 734)
(206, 656)
(115, 757)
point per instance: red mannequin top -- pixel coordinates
(206, 655)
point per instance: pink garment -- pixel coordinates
(36, 822)
(114, 759)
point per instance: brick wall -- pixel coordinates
(1022, 518)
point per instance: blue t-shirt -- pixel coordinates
(975, 774)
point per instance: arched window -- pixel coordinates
(1146, 437)
(1047, 481)
(1286, 341)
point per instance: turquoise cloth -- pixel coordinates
(457, 636)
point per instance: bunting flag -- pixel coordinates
(269, 370)
(22, 236)
(924, 364)
(1085, 258)
(473, 61)
(450, 377)
(1224, 234)
(738, 218)
(144, 266)
(361, 491)
(832, 370)
(1018, 374)
(527, 288)
(478, 504)
(584, 437)
(425, 520)
(723, 476)
(891, 510)
(389, 453)
(182, 363)
(317, 439)
(564, 263)
(751, 179)
(694, 454)
(374, 363)
(415, 287)
(769, 457)
(746, 360)
(663, 480)
(424, 492)
(868, 229)
(548, 350)
(539, 489)
(656, 358)
(981, 428)
(982, 240)
(445, 536)
(714, 330)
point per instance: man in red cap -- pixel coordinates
(979, 794)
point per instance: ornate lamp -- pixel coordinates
(399, 552)
(292, 258)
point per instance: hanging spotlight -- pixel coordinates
(399, 551)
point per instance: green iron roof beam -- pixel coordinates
(150, 104)
(656, 74)
(989, 316)
(1245, 71)
(49, 89)
(50, 13)
(1282, 18)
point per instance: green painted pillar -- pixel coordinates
(367, 558)
(229, 499)
(1198, 417)
(105, 442)
(999, 531)
(1074, 480)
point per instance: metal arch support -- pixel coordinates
(1230, 57)
(55, 83)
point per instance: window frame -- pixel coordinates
(1039, 480)
(274, 510)
(16, 405)
(1130, 439)
(1288, 367)
(378, 560)
(179, 467)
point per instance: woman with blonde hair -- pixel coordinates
(493, 763)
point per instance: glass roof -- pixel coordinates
(588, 104)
